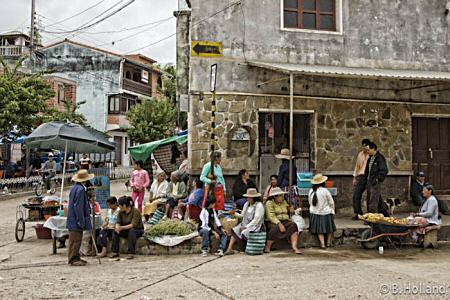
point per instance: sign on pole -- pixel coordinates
(206, 49)
(213, 78)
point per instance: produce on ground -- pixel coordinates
(170, 227)
(371, 217)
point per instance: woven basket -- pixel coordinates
(256, 243)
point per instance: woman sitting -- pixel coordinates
(252, 219)
(429, 212)
(240, 187)
(192, 206)
(273, 184)
(279, 226)
(157, 193)
(321, 211)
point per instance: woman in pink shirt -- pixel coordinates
(139, 182)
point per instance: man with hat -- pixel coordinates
(283, 172)
(417, 189)
(79, 216)
(49, 171)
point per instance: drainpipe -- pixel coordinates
(291, 131)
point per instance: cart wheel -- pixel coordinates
(53, 187)
(20, 230)
(366, 234)
(38, 189)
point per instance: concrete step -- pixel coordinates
(443, 197)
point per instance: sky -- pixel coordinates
(15, 15)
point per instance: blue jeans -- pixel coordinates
(131, 235)
(102, 239)
(206, 236)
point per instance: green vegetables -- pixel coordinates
(170, 227)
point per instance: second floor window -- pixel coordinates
(310, 14)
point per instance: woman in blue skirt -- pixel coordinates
(321, 211)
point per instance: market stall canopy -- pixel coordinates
(144, 151)
(13, 139)
(77, 138)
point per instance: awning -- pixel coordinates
(334, 71)
(144, 151)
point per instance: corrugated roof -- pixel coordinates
(334, 71)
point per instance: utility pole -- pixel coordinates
(32, 35)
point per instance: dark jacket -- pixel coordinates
(379, 169)
(240, 188)
(79, 216)
(417, 193)
(283, 174)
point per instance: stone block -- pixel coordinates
(223, 106)
(237, 107)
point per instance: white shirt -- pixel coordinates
(325, 202)
(158, 189)
(204, 217)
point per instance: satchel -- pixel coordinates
(256, 243)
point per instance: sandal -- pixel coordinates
(323, 247)
(114, 255)
(297, 251)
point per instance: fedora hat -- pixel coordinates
(284, 154)
(276, 191)
(82, 176)
(318, 179)
(252, 193)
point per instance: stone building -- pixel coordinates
(360, 69)
(110, 83)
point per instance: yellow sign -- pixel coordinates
(206, 49)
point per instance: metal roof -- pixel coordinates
(335, 71)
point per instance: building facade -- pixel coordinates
(110, 83)
(360, 69)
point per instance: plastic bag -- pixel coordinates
(297, 219)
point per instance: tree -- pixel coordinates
(22, 100)
(151, 120)
(68, 114)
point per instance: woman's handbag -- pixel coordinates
(256, 243)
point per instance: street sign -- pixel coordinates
(213, 78)
(206, 49)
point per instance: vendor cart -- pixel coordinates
(381, 232)
(34, 210)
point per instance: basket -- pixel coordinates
(42, 232)
(256, 243)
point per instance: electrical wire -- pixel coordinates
(77, 14)
(193, 26)
(129, 29)
(89, 25)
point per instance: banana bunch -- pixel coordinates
(371, 217)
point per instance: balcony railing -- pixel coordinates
(13, 51)
(137, 87)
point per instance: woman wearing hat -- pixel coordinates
(252, 218)
(321, 211)
(157, 192)
(279, 225)
(283, 172)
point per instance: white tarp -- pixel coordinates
(171, 240)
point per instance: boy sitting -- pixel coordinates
(210, 224)
(109, 225)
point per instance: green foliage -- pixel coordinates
(151, 120)
(68, 114)
(22, 99)
(170, 227)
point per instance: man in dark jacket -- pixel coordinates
(79, 216)
(376, 172)
(417, 189)
(240, 186)
(283, 172)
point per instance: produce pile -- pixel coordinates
(170, 227)
(371, 217)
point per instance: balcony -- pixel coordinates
(137, 87)
(13, 51)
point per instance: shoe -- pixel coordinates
(129, 256)
(204, 253)
(83, 261)
(355, 218)
(60, 246)
(114, 255)
(323, 247)
(219, 252)
(231, 252)
(78, 263)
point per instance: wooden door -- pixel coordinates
(431, 151)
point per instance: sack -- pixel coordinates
(219, 191)
(297, 219)
(256, 243)
(157, 216)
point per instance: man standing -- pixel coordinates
(359, 181)
(417, 189)
(79, 216)
(375, 173)
(85, 162)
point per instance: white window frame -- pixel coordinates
(339, 22)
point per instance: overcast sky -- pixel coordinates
(15, 15)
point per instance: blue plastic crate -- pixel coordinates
(304, 183)
(305, 175)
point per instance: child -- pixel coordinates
(108, 227)
(211, 225)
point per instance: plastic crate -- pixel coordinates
(305, 175)
(304, 183)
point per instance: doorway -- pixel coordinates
(274, 136)
(431, 151)
(119, 145)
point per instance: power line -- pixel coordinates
(87, 25)
(128, 29)
(193, 26)
(76, 15)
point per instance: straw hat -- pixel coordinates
(252, 193)
(82, 176)
(276, 191)
(159, 171)
(284, 154)
(318, 179)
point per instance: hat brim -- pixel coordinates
(252, 196)
(277, 193)
(77, 179)
(282, 156)
(321, 180)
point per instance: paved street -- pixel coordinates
(31, 272)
